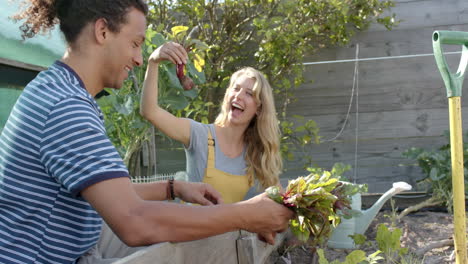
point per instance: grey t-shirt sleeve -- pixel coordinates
(197, 151)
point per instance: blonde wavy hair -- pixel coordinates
(262, 137)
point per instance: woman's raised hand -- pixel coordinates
(170, 51)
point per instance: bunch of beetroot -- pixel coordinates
(319, 201)
(186, 82)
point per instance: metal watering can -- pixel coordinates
(358, 225)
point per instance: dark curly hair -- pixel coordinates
(74, 15)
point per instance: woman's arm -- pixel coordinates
(174, 127)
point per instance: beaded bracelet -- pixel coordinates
(170, 189)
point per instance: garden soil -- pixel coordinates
(419, 230)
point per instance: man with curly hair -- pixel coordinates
(60, 176)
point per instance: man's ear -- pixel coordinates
(101, 31)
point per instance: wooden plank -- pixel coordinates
(431, 12)
(407, 71)
(394, 90)
(378, 44)
(379, 162)
(369, 150)
(394, 99)
(21, 65)
(391, 124)
(391, 148)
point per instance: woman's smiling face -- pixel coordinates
(242, 103)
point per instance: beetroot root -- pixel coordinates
(186, 82)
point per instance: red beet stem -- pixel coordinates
(180, 71)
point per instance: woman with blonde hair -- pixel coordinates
(241, 148)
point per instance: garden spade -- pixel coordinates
(453, 83)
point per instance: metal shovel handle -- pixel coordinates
(453, 82)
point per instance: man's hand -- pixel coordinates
(197, 192)
(266, 217)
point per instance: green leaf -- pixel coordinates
(316, 28)
(389, 241)
(359, 239)
(322, 258)
(168, 70)
(434, 174)
(175, 101)
(106, 101)
(355, 257)
(197, 77)
(199, 45)
(374, 258)
(274, 193)
(178, 29)
(158, 40)
(191, 93)
(299, 231)
(125, 108)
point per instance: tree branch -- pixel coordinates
(437, 244)
(429, 202)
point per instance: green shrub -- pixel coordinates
(436, 165)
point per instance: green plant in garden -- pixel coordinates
(337, 170)
(388, 241)
(355, 257)
(319, 201)
(124, 125)
(393, 215)
(298, 135)
(436, 165)
(411, 258)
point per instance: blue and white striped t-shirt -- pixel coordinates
(53, 146)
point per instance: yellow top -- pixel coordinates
(233, 188)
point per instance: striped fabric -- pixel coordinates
(53, 146)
